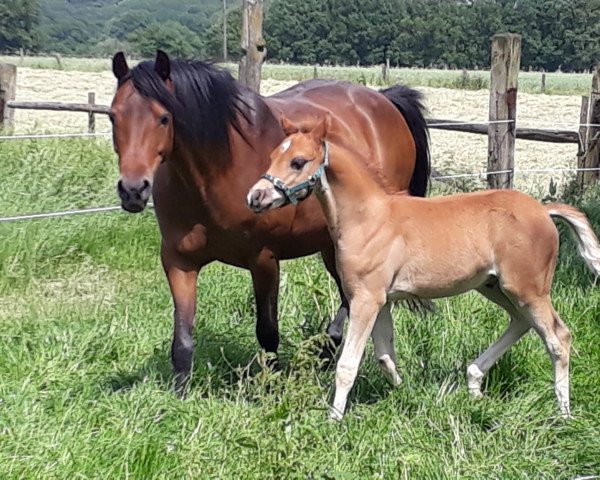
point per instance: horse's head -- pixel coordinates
(296, 167)
(142, 131)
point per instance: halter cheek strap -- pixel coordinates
(291, 194)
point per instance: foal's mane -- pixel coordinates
(207, 99)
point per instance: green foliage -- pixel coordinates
(429, 33)
(18, 25)
(170, 36)
(85, 382)
(557, 34)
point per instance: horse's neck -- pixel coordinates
(349, 195)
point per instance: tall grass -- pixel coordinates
(85, 385)
(557, 83)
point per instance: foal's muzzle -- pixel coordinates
(134, 194)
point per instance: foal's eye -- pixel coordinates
(298, 163)
(164, 119)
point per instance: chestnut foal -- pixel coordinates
(501, 243)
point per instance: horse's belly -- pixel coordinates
(428, 286)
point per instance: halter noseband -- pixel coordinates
(291, 193)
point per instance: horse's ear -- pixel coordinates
(162, 65)
(322, 127)
(288, 127)
(119, 65)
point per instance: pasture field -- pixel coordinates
(85, 329)
(557, 83)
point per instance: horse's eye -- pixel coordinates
(164, 119)
(111, 117)
(298, 163)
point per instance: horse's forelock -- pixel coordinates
(206, 101)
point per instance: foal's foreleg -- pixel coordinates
(363, 313)
(265, 279)
(182, 282)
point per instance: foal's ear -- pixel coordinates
(162, 65)
(119, 65)
(288, 127)
(322, 127)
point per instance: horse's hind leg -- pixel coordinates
(265, 280)
(383, 341)
(516, 329)
(335, 329)
(557, 339)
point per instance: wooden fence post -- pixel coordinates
(91, 115)
(8, 89)
(543, 87)
(253, 44)
(506, 60)
(591, 158)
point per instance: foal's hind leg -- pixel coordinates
(383, 340)
(516, 329)
(335, 329)
(557, 339)
(265, 279)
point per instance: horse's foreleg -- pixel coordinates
(265, 279)
(182, 279)
(363, 313)
(335, 329)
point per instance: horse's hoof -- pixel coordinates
(182, 381)
(327, 355)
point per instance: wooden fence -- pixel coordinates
(501, 128)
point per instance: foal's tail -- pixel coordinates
(587, 241)
(410, 104)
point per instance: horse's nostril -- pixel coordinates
(145, 186)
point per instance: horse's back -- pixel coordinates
(363, 120)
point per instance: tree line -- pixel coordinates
(557, 34)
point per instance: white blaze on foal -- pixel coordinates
(501, 243)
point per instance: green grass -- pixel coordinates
(85, 330)
(557, 83)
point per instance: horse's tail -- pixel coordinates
(587, 241)
(410, 104)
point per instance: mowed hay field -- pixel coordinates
(85, 330)
(453, 152)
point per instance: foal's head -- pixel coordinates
(296, 166)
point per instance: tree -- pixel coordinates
(18, 22)
(170, 36)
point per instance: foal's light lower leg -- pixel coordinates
(363, 313)
(477, 370)
(557, 338)
(383, 341)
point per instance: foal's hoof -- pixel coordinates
(335, 414)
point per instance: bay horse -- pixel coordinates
(501, 243)
(196, 139)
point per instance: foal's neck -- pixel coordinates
(348, 192)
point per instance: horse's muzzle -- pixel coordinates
(134, 194)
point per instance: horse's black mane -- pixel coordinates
(207, 99)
